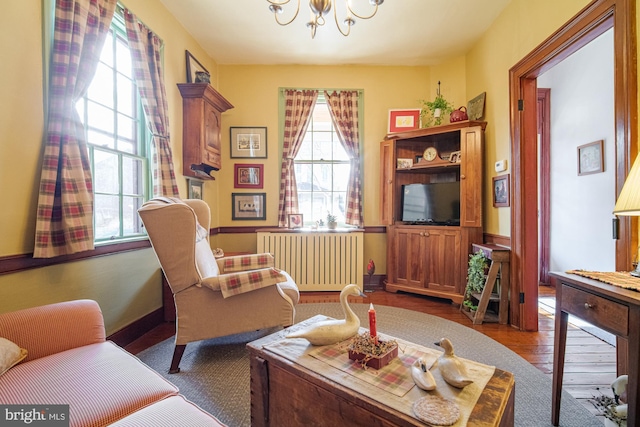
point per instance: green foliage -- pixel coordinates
(478, 264)
(468, 303)
(331, 217)
(429, 107)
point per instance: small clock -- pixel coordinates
(430, 153)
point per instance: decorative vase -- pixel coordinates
(437, 113)
(332, 225)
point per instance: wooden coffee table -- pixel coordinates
(284, 393)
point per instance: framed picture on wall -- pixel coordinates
(591, 158)
(248, 142)
(501, 191)
(248, 176)
(194, 188)
(248, 206)
(193, 67)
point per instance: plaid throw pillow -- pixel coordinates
(247, 262)
(238, 283)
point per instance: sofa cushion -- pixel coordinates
(10, 354)
(170, 412)
(101, 383)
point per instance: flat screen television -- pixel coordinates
(434, 203)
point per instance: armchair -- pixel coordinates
(213, 298)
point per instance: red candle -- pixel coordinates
(372, 321)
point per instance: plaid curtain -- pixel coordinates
(147, 67)
(343, 107)
(64, 220)
(298, 105)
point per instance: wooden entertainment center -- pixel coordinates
(422, 258)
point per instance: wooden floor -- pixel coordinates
(589, 364)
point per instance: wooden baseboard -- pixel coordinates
(375, 284)
(135, 330)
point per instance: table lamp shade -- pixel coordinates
(628, 203)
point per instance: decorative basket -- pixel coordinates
(375, 362)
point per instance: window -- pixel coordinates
(322, 169)
(118, 140)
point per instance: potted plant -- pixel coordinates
(331, 220)
(433, 111)
(476, 274)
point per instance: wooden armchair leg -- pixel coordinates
(177, 356)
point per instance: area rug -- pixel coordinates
(215, 373)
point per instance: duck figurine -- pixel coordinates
(619, 388)
(333, 331)
(422, 376)
(452, 367)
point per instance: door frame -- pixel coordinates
(592, 21)
(544, 130)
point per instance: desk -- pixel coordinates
(614, 309)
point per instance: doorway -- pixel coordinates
(595, 19)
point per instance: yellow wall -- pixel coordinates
(127, 285)
(521, 27)
(253, 90)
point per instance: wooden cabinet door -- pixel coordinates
(212, 140)
(471, 168)
(387, 175)
(409, 252)
(443, 259)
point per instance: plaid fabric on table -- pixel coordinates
(232, 264)
(238, 283)
(394, 378)
(621, 279)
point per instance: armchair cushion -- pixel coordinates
(232, 264)
(205, 261)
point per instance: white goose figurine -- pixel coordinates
(422, 376)
(451, 367)
(333, 331)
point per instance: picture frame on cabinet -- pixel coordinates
(193, 66)
(194, 187)
(295, 221)
(248, 175)
(248, 206)
(501, 191)
(248, 142)
(591, 158)
(404, 120)
(404, 163)
(475, 107)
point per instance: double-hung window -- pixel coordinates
(118, 140)
(322, 169)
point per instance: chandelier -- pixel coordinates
(320, 8)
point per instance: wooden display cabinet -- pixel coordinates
(432, 259)
(202, 109)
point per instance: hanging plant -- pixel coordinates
(433, 112)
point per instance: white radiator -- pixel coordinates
(317, 261)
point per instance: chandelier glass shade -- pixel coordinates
(319, 9)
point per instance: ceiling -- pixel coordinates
(404, 32)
